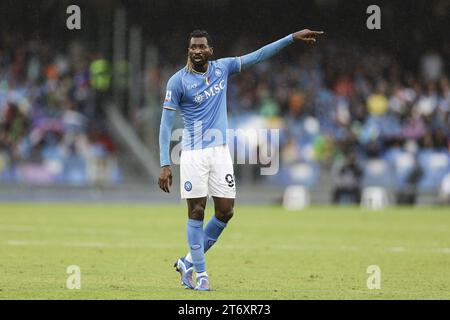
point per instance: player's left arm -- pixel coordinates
(165, 176)
(171, 104)
(271, 49)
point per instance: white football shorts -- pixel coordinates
(206, 172)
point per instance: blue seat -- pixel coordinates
(54, 159)
(435, 164)
(75, 171)
(377, 172)
(304, 173)
(402, 164)
(282, 178)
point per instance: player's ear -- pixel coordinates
(211, 50)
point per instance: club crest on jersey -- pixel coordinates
(218, 72)
(198, 98)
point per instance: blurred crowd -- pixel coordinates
(341, 105)
(338, 106)
(51, 126)
(349, 98)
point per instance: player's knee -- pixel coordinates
(197, 213)
(225, 215)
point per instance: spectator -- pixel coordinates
(407, 193)
(432, 66)
(347, 181)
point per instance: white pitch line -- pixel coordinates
(443, 250)
(284, 247)
(396, 249)
(88, 231)
(89, 244)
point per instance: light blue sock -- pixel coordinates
(212, 232)
(195, 241)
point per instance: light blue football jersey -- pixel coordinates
(202, 101)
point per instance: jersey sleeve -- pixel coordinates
(174, 91)
(232, 64)
(265, 52)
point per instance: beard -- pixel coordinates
(199, 62)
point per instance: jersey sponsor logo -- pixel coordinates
(168, 96)
(198, 98)
(188, 186)
(214, 89)
(218, 72)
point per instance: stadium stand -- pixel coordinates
(388, 105)
(51, 128)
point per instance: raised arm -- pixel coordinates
(271, 49)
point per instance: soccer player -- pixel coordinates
(198, 91)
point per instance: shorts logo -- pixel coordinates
(198, 98)
(187, 186)
(218, 72)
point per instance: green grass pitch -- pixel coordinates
(127, 252)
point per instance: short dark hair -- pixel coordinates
(200, 34)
